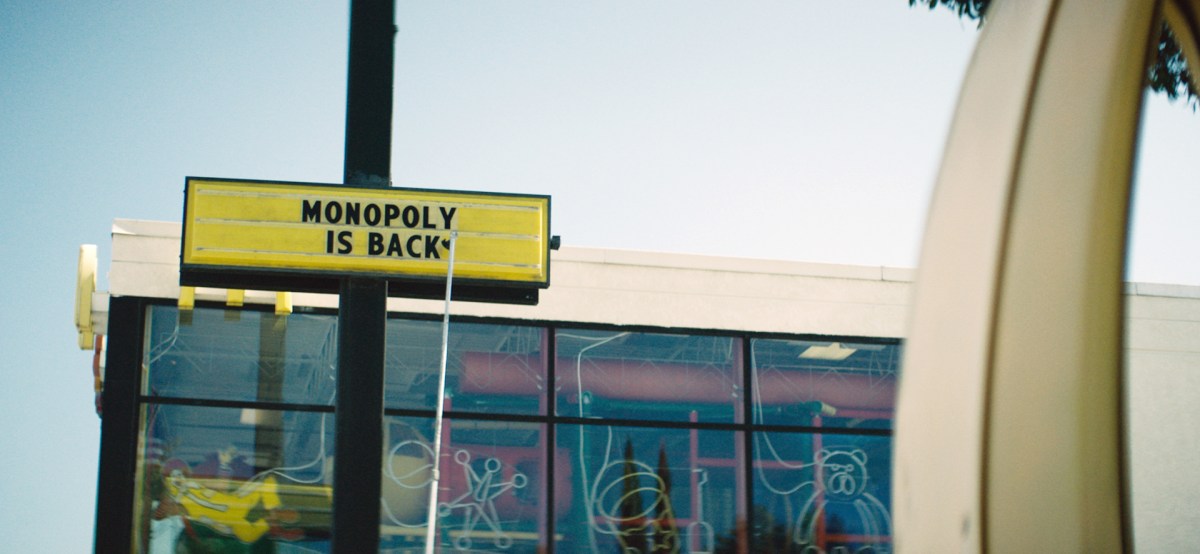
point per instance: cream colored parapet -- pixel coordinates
(707, 292)
(606, 286)
(145, 262)
(593, 285)
(145, 259)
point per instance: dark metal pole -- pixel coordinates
(362, 307)
(359, 443)
(369, 92)
(119, 428)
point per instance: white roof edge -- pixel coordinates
(645, 258)
(735, 264)
(1162, 289)
(145, 227)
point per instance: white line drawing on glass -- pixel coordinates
(408, 466)
(842, 479)
(609, 491)
(838, 476)
(478, 503)
(701, 539)
(615, 498)
(589, 492)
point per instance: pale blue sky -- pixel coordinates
(790, 130)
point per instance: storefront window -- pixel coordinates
(232, 480)
(824, 383)
(821, 493)
(655, 444)
(491, 498)
(638, 489)
(655, 376)
(240, 355)
(489, 369)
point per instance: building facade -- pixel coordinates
(649, 402)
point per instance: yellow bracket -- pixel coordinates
(85, 287)
(283, 303)
(187, 298)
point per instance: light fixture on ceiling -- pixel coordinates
(835, 351)
(250, 416)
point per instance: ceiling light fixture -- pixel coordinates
(835, 351)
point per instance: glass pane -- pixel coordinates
(232, 480)
(241, 355)
(490, 368)
(821, 493)
(824, 383)
(605, 374)
(1162, 327)
(492, 494)
(648, 490)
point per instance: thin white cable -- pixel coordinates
(430, 529)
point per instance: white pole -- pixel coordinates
(431, 520)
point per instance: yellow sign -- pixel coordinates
(387, 232)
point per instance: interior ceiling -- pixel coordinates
(413, 343)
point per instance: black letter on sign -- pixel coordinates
(371, 212)
(431, 247)
(333, 212)
(394, 248)
(413, 253)
(344, 241)
(411, 217)
(447, 215)
(352, 213)
(390, 212)
(310, 211)
(374, 244)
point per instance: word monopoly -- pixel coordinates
(343, 230)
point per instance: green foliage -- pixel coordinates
(633, 526)
(970, 9)
(1167, 74)
(666, 536)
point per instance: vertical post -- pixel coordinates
(357, 467)
(272, 362)
(115, 497)
(369, 92)
(362, 307)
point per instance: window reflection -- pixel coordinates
(240, 355)
(490, 368)
(232, 480)
(821, 493)
(491, 496)
(824, 383)
(648, 450)
(629, 375)
(650, 490)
